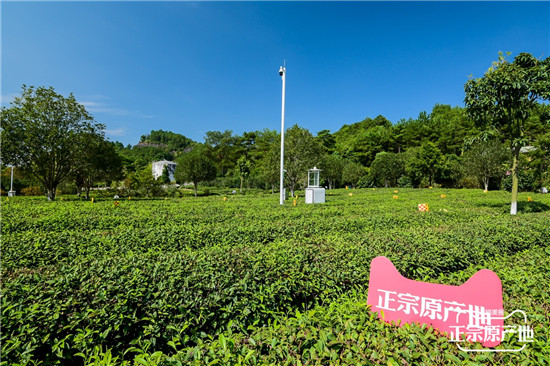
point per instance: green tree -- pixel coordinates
(449, 171)
(165, 176)
(352, 173)
(450, 126)
(166, 139)
(145, 183)
(302, 152)
(98, 161)
(540, 160)
(485, 160)
(505, 97)
(361, 141)
(222, 148)
(327, 140)
(423, 163)
(243, 167)
(195, 166)
(332, 166)
(44, 134)
(268, 157)
(387, 168)
(429, 158)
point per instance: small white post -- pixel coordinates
(11, 193)
(11, 184)
(282, 73)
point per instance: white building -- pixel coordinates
(158, 167)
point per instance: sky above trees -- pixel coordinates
(193, 67)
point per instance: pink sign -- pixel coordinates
(474, 309)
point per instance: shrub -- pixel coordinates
(32, 191)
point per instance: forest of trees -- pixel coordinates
(447, 146)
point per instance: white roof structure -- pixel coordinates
(158, 167)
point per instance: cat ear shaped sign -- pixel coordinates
(474, 309)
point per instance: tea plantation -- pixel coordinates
(245, 281)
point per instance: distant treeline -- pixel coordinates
(433, 149)
(501, 139)
(443, 147)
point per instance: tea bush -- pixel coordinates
(246, 281)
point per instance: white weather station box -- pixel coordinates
(314, 193)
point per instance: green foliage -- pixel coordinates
(45, 134)
(138, 157)
(165, 177)
(327, 140)
(508, 93)
(195, 166)
(485, 160)
(387, 168)
(504, 99)
(302, 152)
(361, 141)
(352, 173)
(332, 167)
(423, 163)
(100, 162)
(526, 182)
(243, 167)
(144, 184)
(206, 280)
(221, 149)
(172, 141)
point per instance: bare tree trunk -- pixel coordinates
(514, 206)
(195, 184)
(486, 183)
(50, 193)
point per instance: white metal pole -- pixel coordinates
(282, 72)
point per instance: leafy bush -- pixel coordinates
(526, 182)
(32, 191)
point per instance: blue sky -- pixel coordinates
(191, 67)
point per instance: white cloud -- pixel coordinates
(116, 132)
(93, 106)
(90, 104)
(99, 108)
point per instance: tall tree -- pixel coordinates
(44, 134)
(485, 160)
(243, 168)
(332, 166)
(98, 161)
(195, 166)
(352, 172)
(430, 158)
(327, 140)
(267, 157)
(302, 152)
(387, 168)
(221, 147)
(361, 141)
(505, 97)
(144, 182)
(423, 162)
